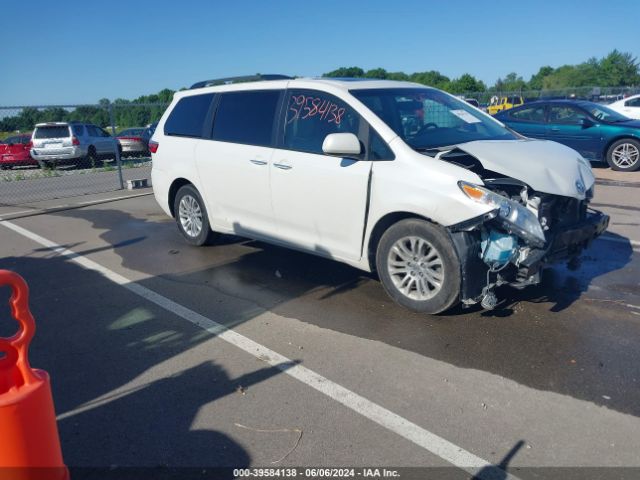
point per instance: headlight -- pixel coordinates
(513, 216)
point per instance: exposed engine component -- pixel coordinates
(498, 248)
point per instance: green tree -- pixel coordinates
(618, 69)
(511, 83)
(465, 83)
(377, 73)
(431, 78)
(346, 72)
(536, 81)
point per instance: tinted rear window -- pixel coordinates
(187, 117)
(246, 117)
(52, 132)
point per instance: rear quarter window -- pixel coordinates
(188, 116)
(57, 131)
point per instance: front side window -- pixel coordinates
(246, 117)
(633, 103)
(188, 116)
(528, 114)
(566, 114)
(426, 118)
(311, 116)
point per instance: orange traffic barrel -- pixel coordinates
(29, 442)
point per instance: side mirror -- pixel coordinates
(587, 122)
(341, 145)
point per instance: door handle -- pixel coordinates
(283, 166)
(555, 129)
(258, 162)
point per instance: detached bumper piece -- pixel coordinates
(567, 243)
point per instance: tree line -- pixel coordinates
(126, 113)
(617, 69)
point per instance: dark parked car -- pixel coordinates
(14, 151)
(597, 132)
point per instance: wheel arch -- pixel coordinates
(381, 226)
(614, 140)
(176, 185)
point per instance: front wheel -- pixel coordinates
(418, 266)
(624, 155)
(191, 217)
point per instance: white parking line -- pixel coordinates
(437, 445)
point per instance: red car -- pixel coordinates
(14, 151)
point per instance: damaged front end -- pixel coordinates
(524, 231)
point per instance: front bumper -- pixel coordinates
(565, 244)
(568, 242)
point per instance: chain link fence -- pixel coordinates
(103, 164)
(101, 148)
(602, 95)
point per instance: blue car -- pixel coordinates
(597, 132)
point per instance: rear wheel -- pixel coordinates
(418, 266)
(624, 155)
(92, 160)
(191, 217)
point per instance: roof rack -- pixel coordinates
(246, 78)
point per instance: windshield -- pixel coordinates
(604, 113)
(426, 118)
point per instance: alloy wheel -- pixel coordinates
(190, 215)
(625, 155)
(416, 268)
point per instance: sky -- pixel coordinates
(87, 50)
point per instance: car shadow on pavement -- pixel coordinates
(540, 337)
(121, 391)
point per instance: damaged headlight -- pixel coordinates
(513, 216)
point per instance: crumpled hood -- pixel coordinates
(545, 166)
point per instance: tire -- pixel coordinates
(92, 160)
(624, 155)
(419, 267)
(189, 208)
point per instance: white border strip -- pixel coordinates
(437, 445)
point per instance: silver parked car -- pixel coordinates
(133, 142)
(84, 144)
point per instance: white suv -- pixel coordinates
(438, 198)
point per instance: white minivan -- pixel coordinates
(441, 200)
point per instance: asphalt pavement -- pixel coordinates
(244, 354)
